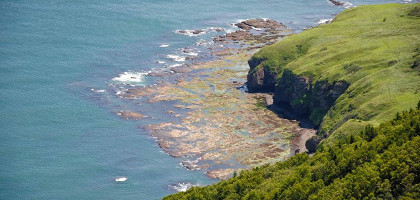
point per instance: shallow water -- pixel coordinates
(60, 136)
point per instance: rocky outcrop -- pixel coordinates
(340, 3)
(260, 24)
(129, 115)
(260, 78)
(254, 62)
(306, 97)
(312, 143)
(256, 31)
(336, 3)
(299, 93)
(416, 64)
(240, 35)
(293, 91)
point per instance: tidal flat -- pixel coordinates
(217, 126)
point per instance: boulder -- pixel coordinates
(312, 143)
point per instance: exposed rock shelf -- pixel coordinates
(215, 124)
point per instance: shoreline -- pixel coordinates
(217, 126)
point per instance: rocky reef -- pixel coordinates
(255, 31)
(215, 125)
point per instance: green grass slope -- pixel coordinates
(377, 50)
(377, 163)
(374, 48)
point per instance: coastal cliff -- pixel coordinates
(357, 78)
(299, 93)
(346, 74)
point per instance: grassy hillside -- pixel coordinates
(376, 50)
(373, 48)
(377, 163)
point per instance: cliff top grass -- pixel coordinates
(374, 48)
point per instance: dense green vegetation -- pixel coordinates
(377, 163)
(368, 155)
(376, 49)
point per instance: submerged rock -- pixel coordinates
(337, 3)
(130, 115)
(340, 3)
(240, 35)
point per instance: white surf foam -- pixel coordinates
(175, 65)
(181, 187)
(130, 77)
(229, 31)
(237, 22)
(324, 21)
(191, 165)
(176, 58)
(190, 33)
(193, 33)
(215, 29)
(191, 53)
(97, 91)
(348, 5)
(241, 20)
(202, 42)
(161, 62)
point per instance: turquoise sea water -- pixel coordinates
(60, 137)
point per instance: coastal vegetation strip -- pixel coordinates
(376, 163)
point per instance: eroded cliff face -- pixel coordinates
(293, 91)
(260, 78)
(300, 94)
(304, 96)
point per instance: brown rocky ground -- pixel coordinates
(225, 129)
(224, 125)
(255, 31)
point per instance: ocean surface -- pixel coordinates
(62, 64)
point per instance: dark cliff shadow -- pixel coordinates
(283, 110)
(286, 112)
